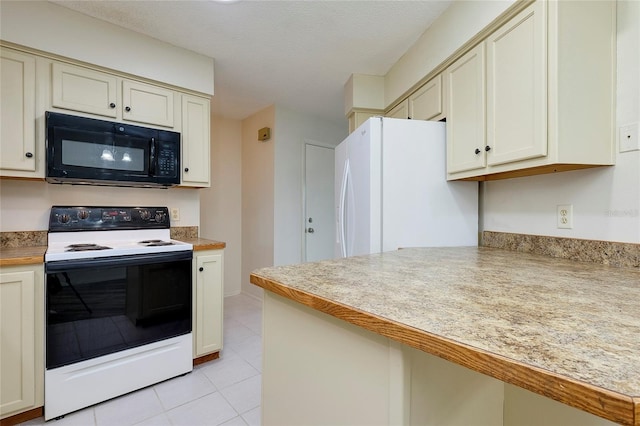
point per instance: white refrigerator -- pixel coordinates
(391, 190)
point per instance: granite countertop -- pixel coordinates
(564, 329)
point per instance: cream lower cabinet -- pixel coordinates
(550, 89)
(208, 292)
(196, 141)
(18, 156)
(22, 339)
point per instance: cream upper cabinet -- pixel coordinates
(18, 154)
(107, 95)
(207, 301)
(399, 111)
(144, 103)
(426, 102)
(196, 141)
(357, 117)
(516, 88)
(22, 331)
(465, 86)
(550, 99)
(84, 90)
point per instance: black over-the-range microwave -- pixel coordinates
(89, 151)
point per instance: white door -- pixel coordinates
(319, 220)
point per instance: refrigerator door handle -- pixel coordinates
(342, 212)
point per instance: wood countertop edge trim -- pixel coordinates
(24, 260)
(209, 246)
(604, 403)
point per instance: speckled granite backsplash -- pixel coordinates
(184, 232)
(23, 239)
(39, 238)
(604, 252)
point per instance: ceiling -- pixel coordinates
(295, 53)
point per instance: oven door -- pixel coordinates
(99, 306)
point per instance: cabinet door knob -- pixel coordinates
(487, 148)
(478, 151)
(186, 169)
(127, 109)
(28, 155)
(112, 105)
(201, 269)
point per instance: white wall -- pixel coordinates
(221, 204)
(257, 196)
(293, 129)
(56, 29)
(606, 201)
(25, 205)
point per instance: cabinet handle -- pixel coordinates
(28, 155)
(112, 105)
(201, 269)
(127, 109)
(478, 151)
(487, 148)
(186, 169)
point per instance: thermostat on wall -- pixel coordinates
(264, 134)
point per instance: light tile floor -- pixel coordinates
(225, 391)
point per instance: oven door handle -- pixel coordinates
(130, 260)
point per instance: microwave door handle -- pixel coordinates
(152, 158)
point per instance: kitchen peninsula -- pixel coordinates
(364, 340)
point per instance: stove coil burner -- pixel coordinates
(86, 247)
(155, 243)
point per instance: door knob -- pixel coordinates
(310, 230)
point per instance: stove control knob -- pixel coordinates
(145, 215)
(64, 218)
(83, 214)
(160, 217)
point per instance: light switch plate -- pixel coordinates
(629, 138)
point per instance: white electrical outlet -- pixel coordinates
(175, 214)
(565, 216)
(629, 138)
